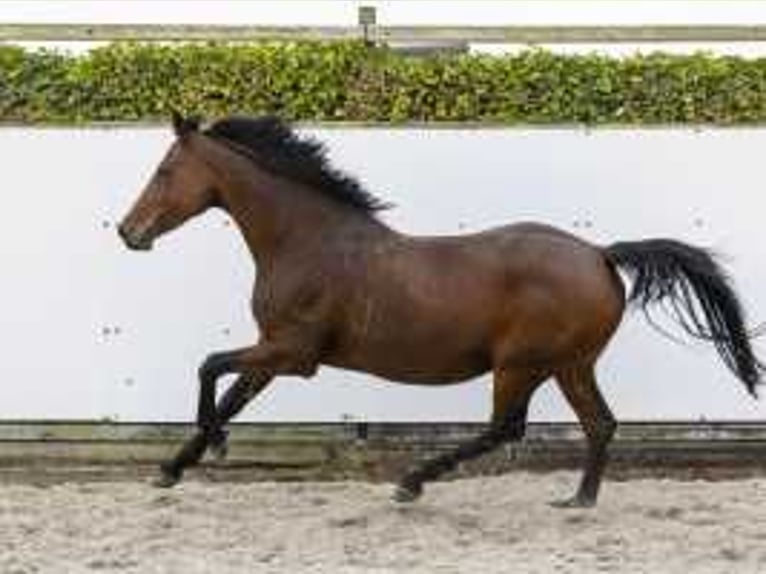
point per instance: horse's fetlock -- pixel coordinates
(216, 435)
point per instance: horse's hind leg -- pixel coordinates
(512, 390)
(578, 384)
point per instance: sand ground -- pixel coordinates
(480, 525)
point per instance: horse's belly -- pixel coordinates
(415, 373)
(408, 360)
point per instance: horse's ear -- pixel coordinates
(183, 126)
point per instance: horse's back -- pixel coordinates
(450, 305)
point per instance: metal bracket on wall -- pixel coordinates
(367, 19)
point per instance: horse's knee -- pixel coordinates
(306, 368)
(214, 366)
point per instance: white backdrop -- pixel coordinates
(90, 330)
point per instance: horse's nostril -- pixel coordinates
(126, 237)
(133, 240)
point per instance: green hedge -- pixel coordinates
(348, 81)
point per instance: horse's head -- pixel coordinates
(182, 186)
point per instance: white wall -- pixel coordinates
(66, 278)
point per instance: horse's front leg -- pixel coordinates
(236, 397)
(257, 366)
(212, 369)
(287, 356)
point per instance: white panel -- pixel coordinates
(68, 283)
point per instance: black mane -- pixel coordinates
(278, 149)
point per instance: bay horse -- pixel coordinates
(336, 286)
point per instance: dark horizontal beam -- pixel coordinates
(43, 453)
(389, 34)
(438, 433)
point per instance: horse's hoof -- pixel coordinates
(218, 444)
(219, 451)
(405, 494)
(574, 502)
(166, 480)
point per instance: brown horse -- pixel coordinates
(335, 286)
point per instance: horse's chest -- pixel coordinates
(271, 307)
(278, 306)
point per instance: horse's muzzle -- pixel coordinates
(134, 241)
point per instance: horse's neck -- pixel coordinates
(276, 215)
(273, 213)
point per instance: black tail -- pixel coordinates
(699, 295)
